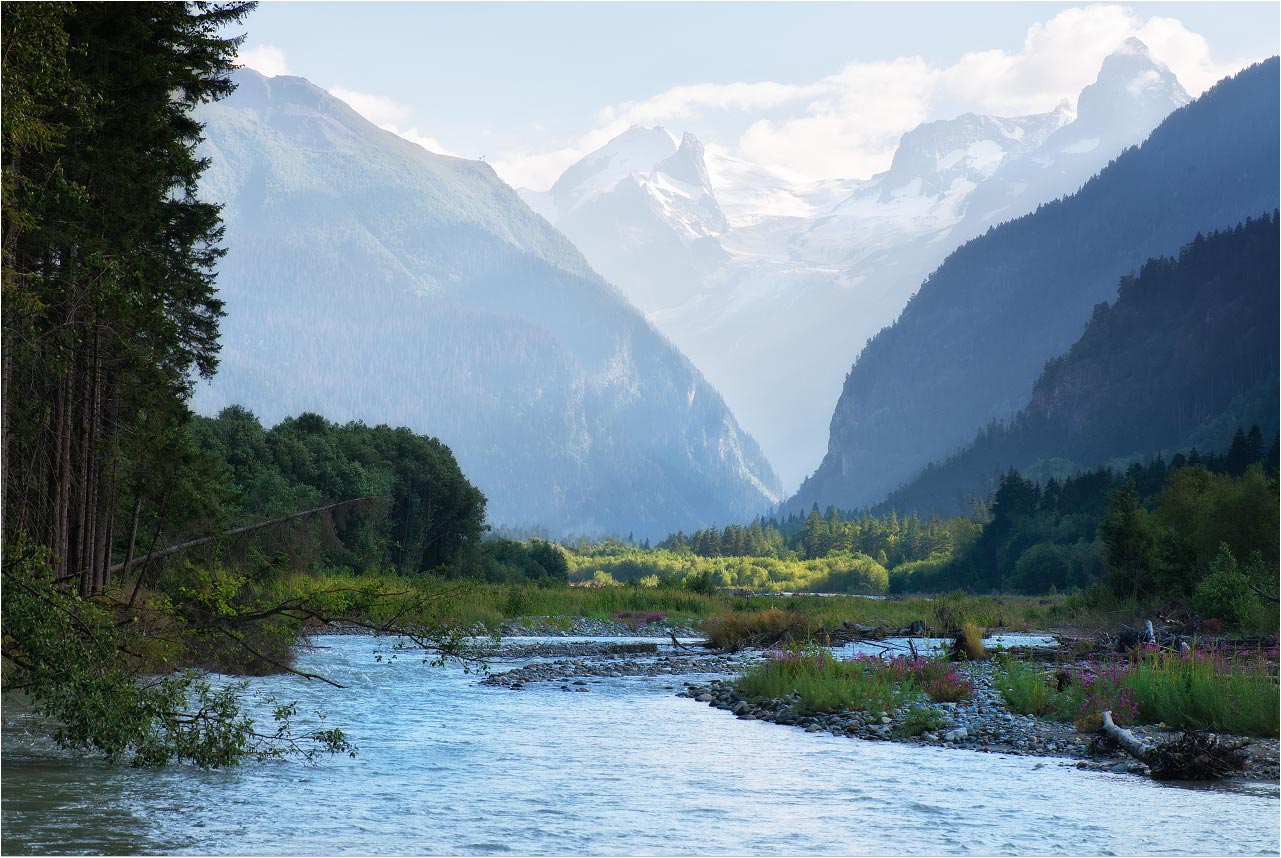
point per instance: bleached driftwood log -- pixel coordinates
(1192, 756)
(1128, 742)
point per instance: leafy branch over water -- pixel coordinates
(118, 680)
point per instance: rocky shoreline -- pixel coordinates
(983, 723)
(597, 661)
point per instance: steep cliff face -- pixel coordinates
(368, 279)
(970, 343)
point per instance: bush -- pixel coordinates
(735, 629)
(949, 688)
(701, 583)
(969, 643)
(1225, 593)
(922, 719)
(1025, 688)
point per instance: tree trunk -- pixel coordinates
(61, 541)
(1192, 756)
(133, 539)
(86, 508)
(1130, 743)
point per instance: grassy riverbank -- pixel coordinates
(493, 605)
(823, 683)
(1196, 690)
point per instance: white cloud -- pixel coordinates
(847, 125)
(413, 135)
(378, 109)
(1186, 53)
(1060, 57)
(388, 115)
(264, 59)
(853, 127)
(685, 102)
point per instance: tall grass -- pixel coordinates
(823, 683)
(490, 605)
(1026, 689)
(734, 629)
(1186, 691)
(1207, 691)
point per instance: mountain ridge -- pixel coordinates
(368, 279)
(1184, 353)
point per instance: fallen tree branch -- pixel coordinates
(1192, 756)
(1262, 594)
(237, 531)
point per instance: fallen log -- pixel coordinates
(1192, 756)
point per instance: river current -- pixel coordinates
(446, 766)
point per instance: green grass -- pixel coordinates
(1197, 691)
(825, 684)
(922, 719)
(490, 605)
(1207, 692)
(1026, 689)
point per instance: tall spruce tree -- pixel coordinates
(108, 267)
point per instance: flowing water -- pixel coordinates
(450, 767)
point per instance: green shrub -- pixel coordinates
(922, 719)
(701, 583)
(1225, 593)
(1025, 688)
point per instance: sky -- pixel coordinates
(808, 91)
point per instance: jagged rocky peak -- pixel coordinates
(635, 151)
(687, 165)
(970, 147)
(1129, 79)
(682, 188)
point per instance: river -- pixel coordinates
(446, 766)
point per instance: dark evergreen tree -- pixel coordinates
(108, 259)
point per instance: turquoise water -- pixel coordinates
(449, 767)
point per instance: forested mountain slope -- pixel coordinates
(1187, 353)
(969, 345)
(370, 279)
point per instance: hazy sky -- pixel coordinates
(809, 90)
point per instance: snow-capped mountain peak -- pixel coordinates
(1131, 81)
(967, 149)
(683, 190)
(823, 265)
(687, 165)
(634, 151)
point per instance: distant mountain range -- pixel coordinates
(1185, 356)
(772, 289)
(368, 279)
(969, 345)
